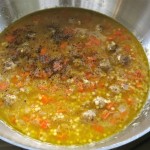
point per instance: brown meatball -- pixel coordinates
(112, 46)
(124, 59)
(105, 65)
(9, 99)
(89, 115)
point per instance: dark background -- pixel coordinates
(142, 143)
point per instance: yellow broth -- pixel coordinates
(70, 76)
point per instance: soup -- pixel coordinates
(70, 76)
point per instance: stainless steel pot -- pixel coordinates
(134, 14)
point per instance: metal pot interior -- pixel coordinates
(134, 16)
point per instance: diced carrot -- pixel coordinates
(98, 128)
(20, 84)
(54, 88)
(123, 37)
(118, 32)
(139, 85)
(139, 74)
(127, 48)
(10, 38)
(24, 74)
(3, 86)
(93, 41)
(129, 101)
(62, 136)
(26, 118)
(113, 121)
(111, 37)
(123, 115)
(110, 105)
(93, 86)
(80, 87)
(13, 119)
(101, 84)
(14, 80)
(105, 114)
(43, 51)
(44, 124)
(63, 45)
(88, 75)
(45, 99)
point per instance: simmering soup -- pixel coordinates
(70, 76)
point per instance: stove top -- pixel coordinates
(142, 143)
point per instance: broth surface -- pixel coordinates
(70, 76)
